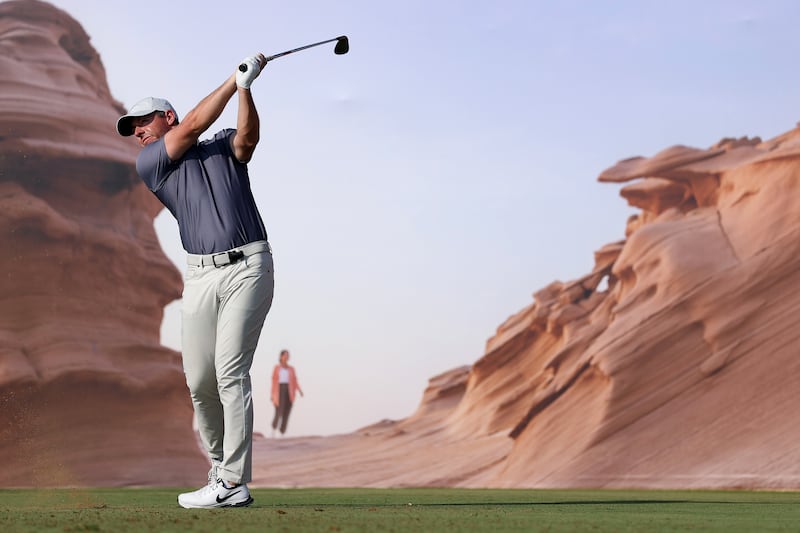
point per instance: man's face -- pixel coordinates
(152, 127)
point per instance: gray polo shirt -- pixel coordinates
(207, 191)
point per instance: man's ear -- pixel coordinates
(170, 117)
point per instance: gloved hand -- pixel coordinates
(248, 70)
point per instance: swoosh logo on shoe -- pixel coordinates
(221, 500)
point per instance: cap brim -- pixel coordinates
(124, 126)
(125, 122)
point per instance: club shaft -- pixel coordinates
(270, 58)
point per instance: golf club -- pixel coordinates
(342, 47)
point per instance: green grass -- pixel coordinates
(417, 510)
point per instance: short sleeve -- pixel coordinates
(153, 165)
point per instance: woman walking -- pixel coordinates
(284, 388)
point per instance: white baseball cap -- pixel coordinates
(141, 108)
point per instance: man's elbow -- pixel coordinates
(244, 148)
(244, 154)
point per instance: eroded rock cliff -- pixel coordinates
(88, 396)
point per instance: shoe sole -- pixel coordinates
(243, 503)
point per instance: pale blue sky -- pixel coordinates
(418, 190)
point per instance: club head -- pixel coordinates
(342, 45)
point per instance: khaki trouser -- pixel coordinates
(224, 308)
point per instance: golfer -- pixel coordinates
(228, 285)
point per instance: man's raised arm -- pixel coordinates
(247, 122)
(199, 119)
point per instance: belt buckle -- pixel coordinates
(232, 257)
(214, 259)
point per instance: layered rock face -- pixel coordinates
(674, 363)
(683, 373)
(88, 396)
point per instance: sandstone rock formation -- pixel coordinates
(88, 396)
(673, 363)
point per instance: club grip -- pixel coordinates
(242, 68)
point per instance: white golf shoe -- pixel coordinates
(216, 494)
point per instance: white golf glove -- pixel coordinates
(252, 68)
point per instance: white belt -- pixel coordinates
(228, 257)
